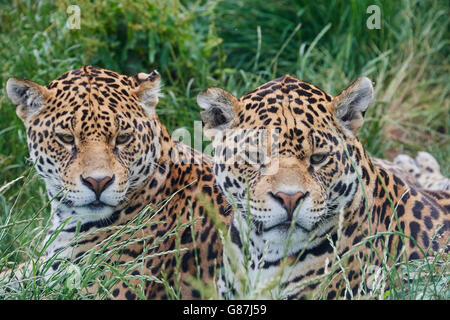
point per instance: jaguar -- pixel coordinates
(310, 203)
(119, 184)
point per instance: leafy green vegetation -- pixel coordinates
(237, 45)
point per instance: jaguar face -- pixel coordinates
(292, 183)
(92, 134)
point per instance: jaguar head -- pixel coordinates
(287, 156)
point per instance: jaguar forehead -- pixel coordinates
(285, 101)
(95, 96)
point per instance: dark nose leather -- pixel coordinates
(97, 185)
(289, 200)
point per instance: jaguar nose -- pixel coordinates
(289, 201)
(97, 185)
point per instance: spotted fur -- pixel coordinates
(313, 183)
(105, 156)
(424, 169)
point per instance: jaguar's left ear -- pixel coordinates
(148, 90)
(352, 103)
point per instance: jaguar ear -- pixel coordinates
(352, 103)
(148, 90)
(27, 95)
(220, 108)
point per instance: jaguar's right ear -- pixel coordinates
(27, 95)
(148, 90)
(220, 109)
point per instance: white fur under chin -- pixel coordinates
(280, 242)
(86, 214)
(258, 280)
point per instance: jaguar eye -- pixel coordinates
(123, 138)
(66, 138)
(317, 158)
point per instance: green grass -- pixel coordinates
(236, 45)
